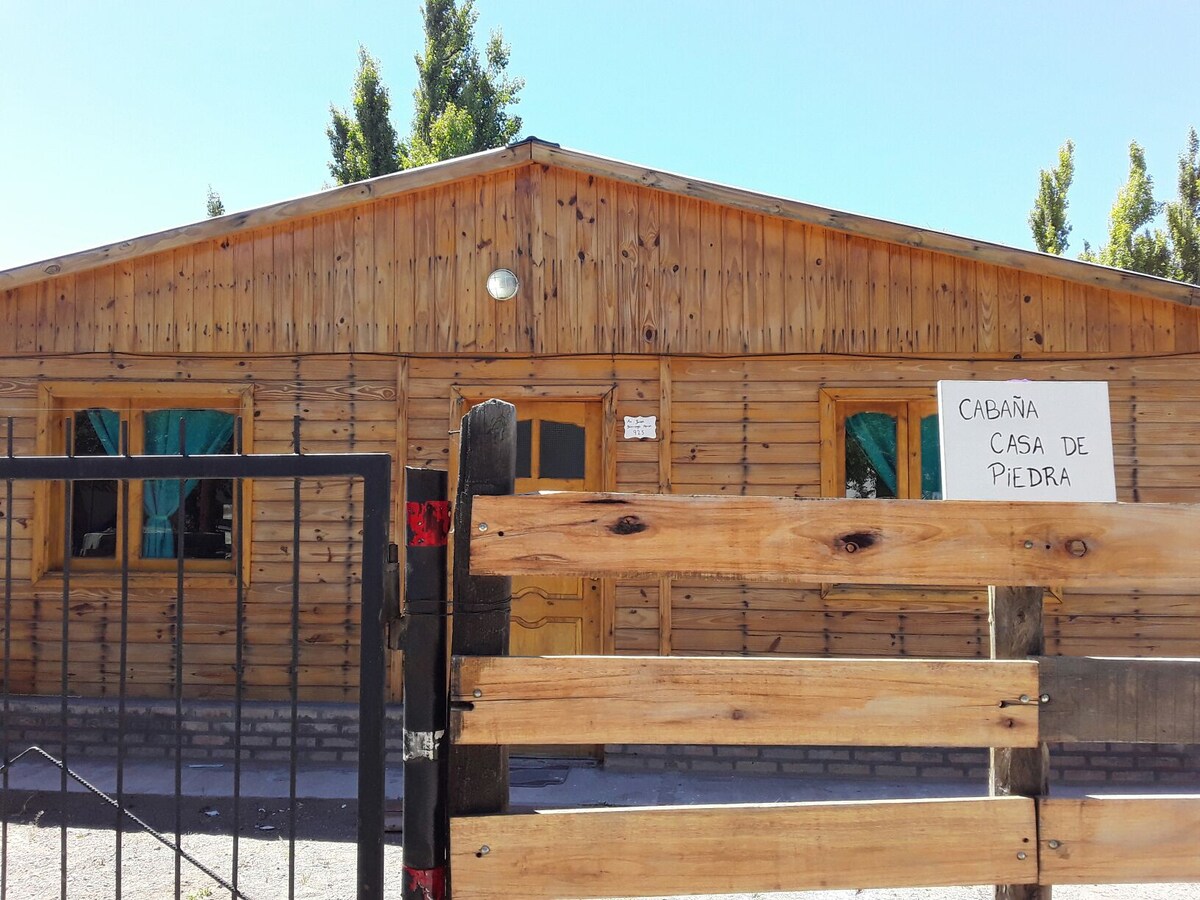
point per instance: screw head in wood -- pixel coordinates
(477, 693)
(483, 851)
(1054, 845)
(483, 526)
(1029, 545)
(1021, 854)
(1024, 698)
(1045, 698)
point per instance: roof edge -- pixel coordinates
(535, 150)
(480, 163)
(1031, 261)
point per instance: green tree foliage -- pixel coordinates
(461, 102)
(1048, 218)
(215, 205)
(1183, 215)
(363, 144)
(1132, 244)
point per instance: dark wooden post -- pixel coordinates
(426, 687)
(1015, 620)
(487, 463)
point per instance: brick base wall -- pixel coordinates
(1132, 764)
(326, 732)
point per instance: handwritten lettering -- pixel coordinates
(1017, 407)
(1020, 444)
(1029, 476)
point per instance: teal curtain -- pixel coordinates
(207, 431)
(107, 425)
(931, 459)
(875, 433)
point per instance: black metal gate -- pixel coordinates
(41, 727)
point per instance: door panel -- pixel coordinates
(558, 450)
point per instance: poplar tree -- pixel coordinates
(1048, 218)
(215, 206)
(1132, 245)
(363, 144)
(461, 101)
(460, 104)
(1183, 215)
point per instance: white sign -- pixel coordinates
(1026, 440)
(641, 426)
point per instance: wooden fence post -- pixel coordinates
(426, 687)
(486, 465)
(1015, 621)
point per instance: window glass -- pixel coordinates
(206, 509)
(931, 459)
(524, 448)
(871, 455)
(563, 450)
(94, 503)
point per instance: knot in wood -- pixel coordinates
(859, 540)
(1077, 547)
(628, 525)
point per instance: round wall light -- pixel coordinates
(502, 284)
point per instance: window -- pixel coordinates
(880, 447)
(158, 510)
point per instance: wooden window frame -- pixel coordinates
(132, 400)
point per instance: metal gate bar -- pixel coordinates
(375, 471)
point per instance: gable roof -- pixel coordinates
(534, 150)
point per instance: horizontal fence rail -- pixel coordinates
(682, 700)
(895, 542)
(750, 848)
(1130, 701)
(1119, 840)
(855, 702)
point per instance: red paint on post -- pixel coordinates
(428, 523)
(430, 882)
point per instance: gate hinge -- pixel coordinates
(393, 620)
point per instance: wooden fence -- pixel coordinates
(1018, 838)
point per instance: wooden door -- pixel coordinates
(558, 449)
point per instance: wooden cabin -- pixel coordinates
(752, 328)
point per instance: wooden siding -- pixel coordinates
(606, 267)
(343, 404)
(740, 426)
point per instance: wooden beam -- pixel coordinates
(878, 229)
(1119, 840)
(910, 542)
(1015, 621)
(480, 623)
(680, 700)
(745, 848)
(1132, 701)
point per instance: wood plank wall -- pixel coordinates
(344, 404)
(745, 426)
(606, 267)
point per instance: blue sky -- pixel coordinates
(116, 115)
